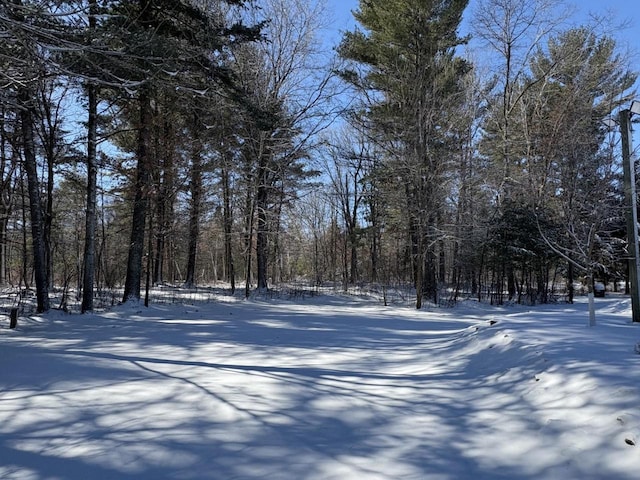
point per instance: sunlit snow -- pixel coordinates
(325, 388)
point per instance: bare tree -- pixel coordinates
(348, 165)
(513, 29)
(291, 84)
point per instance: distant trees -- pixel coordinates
(483, 163)
(200, 141)
(577, 179)
(128, 48)
(171, 44)
(290, 84)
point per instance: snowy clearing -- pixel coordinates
(325, 388)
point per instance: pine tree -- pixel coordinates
(411, 71)
(175, 43)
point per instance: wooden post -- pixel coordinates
(13, 318)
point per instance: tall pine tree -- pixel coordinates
(405, 60)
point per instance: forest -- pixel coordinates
(228, 142)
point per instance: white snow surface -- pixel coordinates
(324, 388)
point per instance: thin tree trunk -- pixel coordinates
(92, 191)
(278, 260)
(4, 250)
(165, 206)
(248, 242)
(248, 256)
(228, 223)
(6, 198)
(376, 240)
(48, 218)
(262, 227)
(194, 214)
(158, 264)
(417, 260)
(261, 237)
(25, 247)
(147, 283)
(570, 280)
(353, 248)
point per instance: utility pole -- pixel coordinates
(628, 164)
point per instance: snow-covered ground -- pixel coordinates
(325, 388)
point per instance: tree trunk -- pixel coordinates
(376, 240)
(25, 247)
(165, 204)
(511, 280)
(8, 167)
(570, 280)
(262, 226)
(158, 264)
(48, 218)
(353, 260)
(140, 203)
(92, 191)
(25, 97)
(228, 224)
(419, 281)
(278, 264)
(4, 251)
(262, 233)
(194, 214)
(248, 239)
(418, 259)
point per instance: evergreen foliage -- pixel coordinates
(199, 140)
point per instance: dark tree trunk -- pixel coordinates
(194, 214)
(353, 261)
(147, 283)
(442, 264)
(430, 273)
(25, 247)
(228, 223)
(248, 252)
(419, 281)
(7, 188)
(91, 219)
(275, 228)
(262, 227)
(376, 240)
(48, 218)
(165, 204)
(140, 203)
(249, 211)
(25, 97)
(417, 258)
(570, 280)
(158, 264)
(92, 190)
(4, 242)
(48, 134)
(261, 236)
(511, 280)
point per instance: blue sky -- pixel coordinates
(622, 10)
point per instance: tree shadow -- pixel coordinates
(249, 390)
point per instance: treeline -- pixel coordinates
(197, 141)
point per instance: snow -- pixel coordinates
(323, 388)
